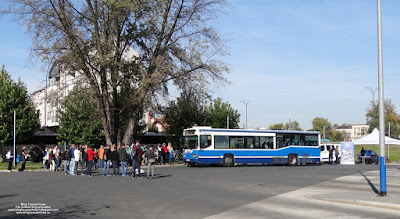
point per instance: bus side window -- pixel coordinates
(205, 141)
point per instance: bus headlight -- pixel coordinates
(195, 155)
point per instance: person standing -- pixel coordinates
(83, 159)
(65, 158)
(24, 156)
(48, 158)
(337, 154)
(123, 159)
(171, 153)
(114, 159)
(44, 157)
(9, 158)
(158, 153)
(331, 154)
(165, 153)
(56, 153)
(136, 159)
(107, 161)
(90, 154)
(101, 157)
(151, 161)
(77, 155)
(72, 161)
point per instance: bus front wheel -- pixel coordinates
(228, 161)
(292, 160)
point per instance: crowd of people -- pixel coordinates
(82, 159)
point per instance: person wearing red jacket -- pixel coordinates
(165, 154)
(136, 159)
(90, 153)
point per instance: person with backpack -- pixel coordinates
(65, 158)
(114, 159)
(9, 158)
(151, 161)
(136, 159)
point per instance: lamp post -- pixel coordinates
(373, 90)
(15, 154)
(246, 103)
(382, 161)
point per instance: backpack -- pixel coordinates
(105, 155)
(69, 154)
(134, 153)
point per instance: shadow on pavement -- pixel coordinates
(7, 196)
(370, 183)
(159, 176)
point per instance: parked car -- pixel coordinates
(325, 152)
(370, 157)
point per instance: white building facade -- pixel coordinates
(47, 101)
(354, 131)
(59, 83)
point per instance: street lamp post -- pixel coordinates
(246, 103)
(373, 90)
(382, 161)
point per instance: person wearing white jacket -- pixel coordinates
(9, 157)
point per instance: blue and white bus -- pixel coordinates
(207, 145)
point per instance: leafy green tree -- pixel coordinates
(390, 116)
(336, 136)
(79, 120)
(127, 51)
(293, 126)
(188, 110)
(277, 126)
(319, 123)
(218, 112)
(14, 96)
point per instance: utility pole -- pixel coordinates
(15, 154)
(388, 155)
(246, 103)
(227, 122)
(382, 161)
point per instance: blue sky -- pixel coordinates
(293, 59)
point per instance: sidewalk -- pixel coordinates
(354, 196)
(363, 189)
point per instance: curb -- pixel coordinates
(363, 203)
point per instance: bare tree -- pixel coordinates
(128, 50)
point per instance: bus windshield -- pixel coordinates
(191, 142)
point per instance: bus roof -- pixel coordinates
(210, 129)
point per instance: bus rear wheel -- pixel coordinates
(228, 161)
(292, 160)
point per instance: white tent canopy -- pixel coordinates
(373, 138)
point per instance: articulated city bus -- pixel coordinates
(207, 145)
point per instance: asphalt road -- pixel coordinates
(176, 192)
